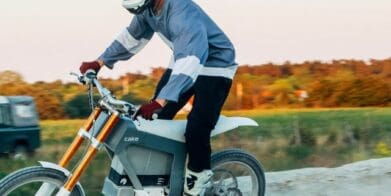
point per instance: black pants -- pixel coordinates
(210, 94)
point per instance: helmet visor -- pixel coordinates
(132, 4)
(136, 6)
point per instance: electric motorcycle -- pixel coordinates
(148, 158)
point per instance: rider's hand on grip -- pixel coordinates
(94, 65)
(149, 111)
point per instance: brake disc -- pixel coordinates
(233, 192)
(225, 185)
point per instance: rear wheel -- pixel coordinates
(29, 181)
(236, 173)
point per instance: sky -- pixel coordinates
(47, 39)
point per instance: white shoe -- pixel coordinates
(195, 181)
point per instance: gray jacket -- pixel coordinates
(200, 47)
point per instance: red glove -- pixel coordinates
(94, 65)
(147, 110)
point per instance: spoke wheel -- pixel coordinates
(236, 173)
(234, 192)
(29, 181)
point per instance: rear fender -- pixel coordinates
(226, 124)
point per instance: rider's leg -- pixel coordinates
(171, 108)
(209, 96)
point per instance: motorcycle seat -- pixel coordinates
(175, 129)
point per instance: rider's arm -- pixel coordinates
(130, 41)
(190, 43)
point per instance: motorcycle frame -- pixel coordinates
(112, 129)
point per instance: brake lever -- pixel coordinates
(74, 74)
(80, 78)
(134, 115)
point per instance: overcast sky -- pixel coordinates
(46, 39)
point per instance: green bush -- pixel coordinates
(304, 137)
(299, 152)
(78, 106)
(308, 137)
(332, 137)
(131, 98)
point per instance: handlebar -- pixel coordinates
(107, 99)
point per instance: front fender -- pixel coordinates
(54, 166)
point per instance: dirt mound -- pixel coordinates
(364, 178)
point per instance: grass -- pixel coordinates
(277, 123)
(337, 136)
(341, 135)
(56, 136)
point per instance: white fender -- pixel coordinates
(228, 123)
(55, 167)
(175, 129)
(48, 188)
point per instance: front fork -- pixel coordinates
(96, 143)
(72, 149)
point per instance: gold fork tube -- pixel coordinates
(74, 178)
(66, 158)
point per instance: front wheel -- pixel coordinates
(35, 181)
(236, 173)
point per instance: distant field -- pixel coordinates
(328, 137)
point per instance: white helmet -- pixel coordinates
(136, 6)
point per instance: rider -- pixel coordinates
(203, 65)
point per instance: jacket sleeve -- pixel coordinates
(129, 42)
(190, 43)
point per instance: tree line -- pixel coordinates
(338, 83)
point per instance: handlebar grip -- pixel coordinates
(90, 74)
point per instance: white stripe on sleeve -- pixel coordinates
(189, 66)
(226, 72)
(130, 43)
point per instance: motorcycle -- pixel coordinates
(148, 158)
